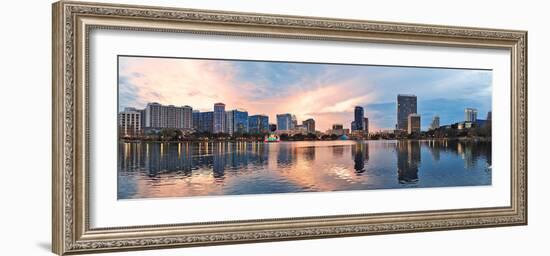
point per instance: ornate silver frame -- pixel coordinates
(72, 22)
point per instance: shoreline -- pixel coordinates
(476, 139)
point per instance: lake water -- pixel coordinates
(152, 170)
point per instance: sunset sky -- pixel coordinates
(327, 93)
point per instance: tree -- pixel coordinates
(170, 134)
(311, 136)
(284, 136)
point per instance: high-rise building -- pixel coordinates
(196, 118)
(160, 116)
(142, 117)
(293, 123)
(206, 122)
(229, 117)
(168, 116)
(153, 115)
(366, 124)
(236, 121)
(219, 118)
(284, 122)
(310, 125)
(406, 105)
(258, 124)
(240, 123)
(129, 122)
(470, 114)
(413, 123)
(435, 123)
(489, 115)
(187, 117)
(359, 114)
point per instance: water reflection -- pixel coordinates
(360, 153)
(230, 168)
(408, 161)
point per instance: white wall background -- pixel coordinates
(25, 147)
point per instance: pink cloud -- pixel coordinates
(201, 83)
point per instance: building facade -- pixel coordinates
(284, 122)
(310, 125)
(258, 124)
(129, 122)
(206, 122)
(229, 117)
(186, 121)
(435, 123)
(240, 121)
(236, 122)
(470, 115)
(406, 105)
(413, 123)
(219, 118)
(160, 116)
(196, 116)
(338, 129)
(293, 123)
(359, 114)
(153, 115)
(366, 125)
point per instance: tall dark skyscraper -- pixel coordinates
(406, 105)
(359, 114)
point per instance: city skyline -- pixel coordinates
(327, 93)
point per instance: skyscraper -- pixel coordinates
(196, 118)
(206, 122)
(470, 114)
(406, 105)
(284, 122)
(366, 124)
(435, 123)
(310, 125)
(219, 118)
(236, 121)
(229, 117)
(258, 124)
(240, 121)
(359, 114)
(187, 117)
(413, 123)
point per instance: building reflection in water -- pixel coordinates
(408, 161)
(299, 166)
(360, 156)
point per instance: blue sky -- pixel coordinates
(325, 92)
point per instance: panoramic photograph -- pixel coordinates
(212, 127)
